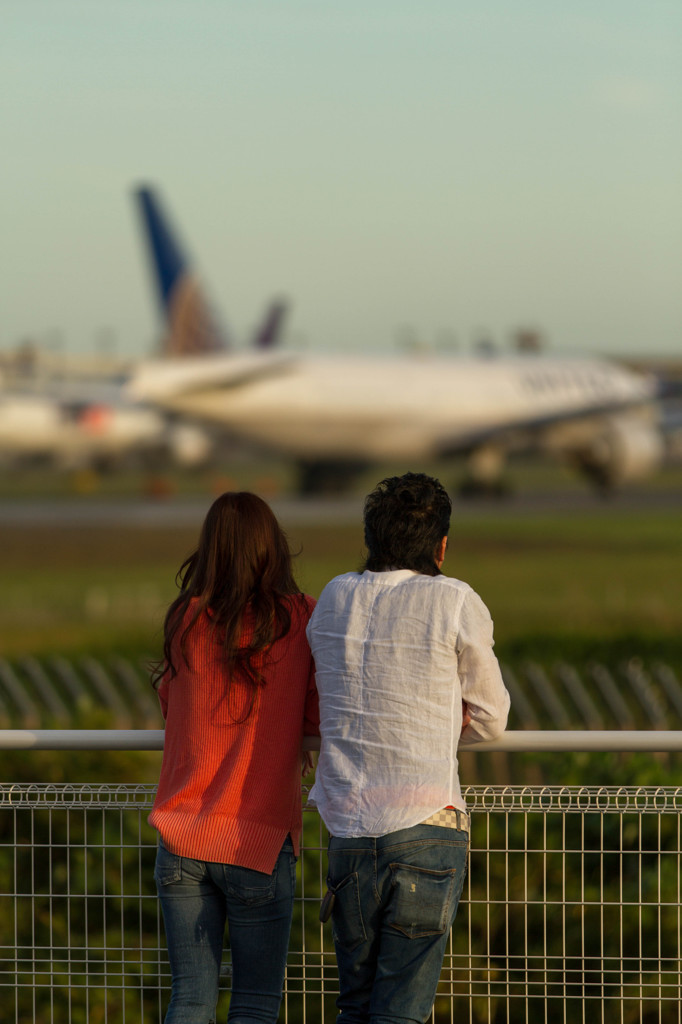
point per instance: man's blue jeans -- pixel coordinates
(198, 898)
(395, 900)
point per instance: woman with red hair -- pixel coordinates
(237, 691)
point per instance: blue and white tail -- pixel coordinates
(191, 326)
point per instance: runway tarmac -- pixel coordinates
(187, 512)
(168, 513)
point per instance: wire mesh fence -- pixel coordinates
(571, 910)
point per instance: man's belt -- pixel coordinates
(449, 817)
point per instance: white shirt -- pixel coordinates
(396, 653)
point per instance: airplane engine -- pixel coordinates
(189, 445)
(626, 450)
(111, 435)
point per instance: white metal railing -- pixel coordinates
(571, 910)
(512, 741)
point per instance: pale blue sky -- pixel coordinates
(466, 166)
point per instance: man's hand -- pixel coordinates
(466, 717)
(307, 763)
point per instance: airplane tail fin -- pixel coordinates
(191, 326)
(269, 333)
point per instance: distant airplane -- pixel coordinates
(72, 425)
(69, 419)
(336, 414)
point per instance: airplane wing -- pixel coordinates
(523, 433)
(160, 381)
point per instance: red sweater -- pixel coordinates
(231, 791)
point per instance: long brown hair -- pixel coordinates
(242, 562)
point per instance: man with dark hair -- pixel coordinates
(406, 518)
(405, 672)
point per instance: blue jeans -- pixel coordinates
(395, 900)
(198, 898)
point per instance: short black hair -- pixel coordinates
(406, 517)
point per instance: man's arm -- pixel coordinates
(483, 689)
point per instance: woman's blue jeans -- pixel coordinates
(198, 898)
(396, 897)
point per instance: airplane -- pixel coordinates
(337, 414)
(38, 429)
(69, 419)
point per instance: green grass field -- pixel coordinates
(560, 582)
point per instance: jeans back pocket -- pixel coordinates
(348, 927)
(168, 866)
(423, 901)
(252, 888)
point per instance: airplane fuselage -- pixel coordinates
(317, 406)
